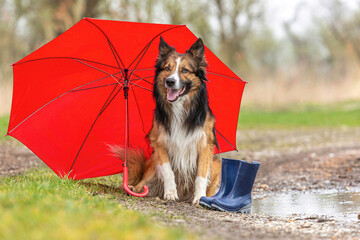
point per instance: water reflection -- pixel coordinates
(337, 205)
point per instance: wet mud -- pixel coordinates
(308, 187)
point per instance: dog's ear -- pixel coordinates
(164, 48)
(198, 49)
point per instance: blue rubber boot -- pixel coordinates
(229, 170)
(239, 198)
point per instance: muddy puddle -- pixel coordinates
(344, 206)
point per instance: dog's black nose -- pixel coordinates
(170, 82)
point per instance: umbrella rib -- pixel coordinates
(106, 104)
(110, 75)
(141, 87)
(111, 99)
(74, 89)
(225, 139)
(222, 75)
(113, 50)
(71, 58)
(132, 71)
(149, 43)
(94, 87)
(142, 78)
(144, 69)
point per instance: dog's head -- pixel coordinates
(178, 75)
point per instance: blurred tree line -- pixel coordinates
(236, 30)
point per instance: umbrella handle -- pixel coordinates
(125, 173)
(128, 190)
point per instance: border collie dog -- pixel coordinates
(182, 165)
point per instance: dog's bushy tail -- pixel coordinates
(136, 161)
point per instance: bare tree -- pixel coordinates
(236, 19)
(344, 27)
(195, 14)
(298, 41)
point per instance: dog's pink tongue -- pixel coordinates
(172, 94)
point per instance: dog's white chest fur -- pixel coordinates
(183, 146)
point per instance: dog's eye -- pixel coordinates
(184, 70)
(167, 68)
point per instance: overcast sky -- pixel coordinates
(278, 11)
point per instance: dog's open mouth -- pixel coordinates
(174, 94)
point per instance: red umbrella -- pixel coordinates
(92, 86)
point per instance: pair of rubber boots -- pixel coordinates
(237, 180)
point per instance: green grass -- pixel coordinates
(39, 205)
(334, 115)
(4, 121)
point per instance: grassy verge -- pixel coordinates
(4, 121)
(39, 205)
(334, 115)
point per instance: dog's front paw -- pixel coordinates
(196, 200)
(171, 195)
(200, 189)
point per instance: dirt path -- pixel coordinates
(303, 159)
(291, 160)
(15, 158)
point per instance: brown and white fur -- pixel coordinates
(182, 165)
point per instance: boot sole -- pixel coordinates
(246, 209)
(205, 205)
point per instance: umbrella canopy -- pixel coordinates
(69, 102)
